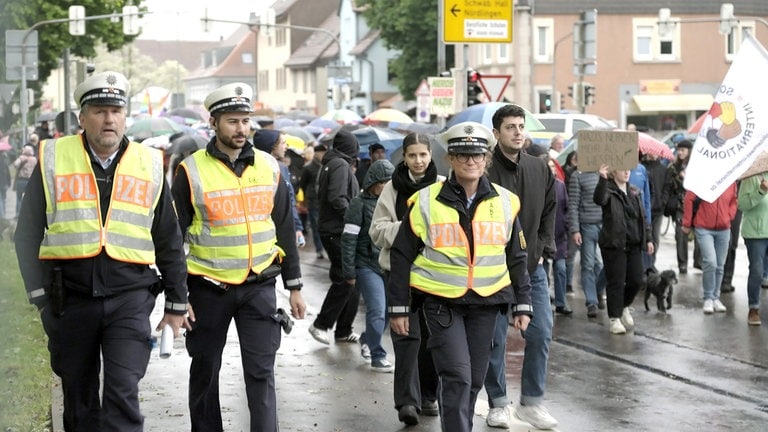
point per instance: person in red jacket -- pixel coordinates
(711, 223)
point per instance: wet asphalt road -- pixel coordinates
(680, 371)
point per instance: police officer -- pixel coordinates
(96, 214)
(235, 213)
(460, 244)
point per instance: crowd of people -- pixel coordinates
(448, 264)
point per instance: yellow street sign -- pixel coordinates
(477, 21)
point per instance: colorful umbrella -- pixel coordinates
(151, 127)
(483, 113)
(387, 115)
(342, 116)
(366, 136)
(650, 145)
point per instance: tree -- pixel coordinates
(410, 28)
(54, 38)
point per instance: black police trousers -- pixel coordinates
(252, 306)
(115, 329)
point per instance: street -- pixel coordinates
(683, 371)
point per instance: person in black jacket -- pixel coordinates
(308, 183)
(95, 306)
(624, 236)
(657, 174)
(337, 186)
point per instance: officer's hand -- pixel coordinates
(351, 282)
(190, 315)
(298, 307)
(175, 321)
(399, 325)
(577, 238)
(520, 322)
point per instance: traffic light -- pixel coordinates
(570, 91)
(473, 88)
(562, 101)
(545, 102)
(589, 94)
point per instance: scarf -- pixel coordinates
(406, 187)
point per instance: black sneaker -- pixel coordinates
(682, 270)
(727, 288)
(592, 311)
(430, 408)
(563, 310)
(408, 415)
(601, 301)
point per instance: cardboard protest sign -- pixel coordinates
(618, 149)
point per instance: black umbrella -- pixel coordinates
(185, 112)
(187, 144)
(438, 155)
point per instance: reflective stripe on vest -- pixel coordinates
(232, 231)
(445, 267)
(72, 203)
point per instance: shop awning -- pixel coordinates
(672, 103)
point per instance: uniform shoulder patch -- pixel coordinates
(523, 244)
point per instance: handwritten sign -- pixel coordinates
(618, 149)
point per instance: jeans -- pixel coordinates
(569, 261)
(714, 248)
(558, 275)
(537, 337)
(312, 215)
(371, 287)
(592, 275)
(756, 252)
(733, 244)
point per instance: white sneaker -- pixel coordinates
(319, 335)
(365, 352)
(616, 327)
(719, 306)
(709, 306)
(626, 318)
(536, 415)
(498, 418)
(382, 365)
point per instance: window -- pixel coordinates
(503, 53)
(543, 37)
(280, 81)
(280, 37)
(295, 78)
(734, 38)
(650, 46)
(247, 58)
(488, 53)
(264, 80)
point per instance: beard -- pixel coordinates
(229, 141)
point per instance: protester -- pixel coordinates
(85, 258)
(433, 253)
(24, 166)
(337, 186)
(5, 183)
(529, 177)
(625, 236)
(673, 199)
(415, 383)
(235, 253)
(376, 151)
(361, 266)
(657, 173)
(754, 229)
(308, 183)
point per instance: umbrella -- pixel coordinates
(650, 145)
(282, 122)
(366, 136)
(438, 155)
(4, 144)
(324, 123)
(387, 115)
(760, 165)
(342, 116)
(187, 113)
(483, 113)
(159, 142)
(294, 143)
(187, 143)
(422, 128)
(152, 127)
(299, 132)
(300, 115)
(696, 126)
(46, 116)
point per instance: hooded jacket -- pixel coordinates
(357, 249)
(336, 184)
(716, 216)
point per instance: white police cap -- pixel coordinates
(468, 137)
(235, 97)
(104, 88)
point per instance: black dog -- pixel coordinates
(661, 285)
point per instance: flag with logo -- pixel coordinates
(735, 130)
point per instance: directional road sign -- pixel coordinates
(483, 21)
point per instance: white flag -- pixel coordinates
(735, 130)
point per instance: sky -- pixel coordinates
(180, 19)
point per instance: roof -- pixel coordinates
(365, 43)
(649, 7)
(185, 52)
(318, 46)
(230, 57)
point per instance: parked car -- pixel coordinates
(565, 125)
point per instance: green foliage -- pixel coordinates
(25, 372)
(410, 28)
(54, 38)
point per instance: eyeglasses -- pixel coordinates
(464, 157)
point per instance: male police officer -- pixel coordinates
(97, 212)
(236, 216)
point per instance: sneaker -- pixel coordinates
(626, 318)
(498, 418)
(682, 270)
(753, 318)
(728, 288)
(320, 255)
(430, 408)
(563, 310)
(319, 335)
(601, 301)
(536, 415)
(365, 352)
(709, 306)
(350, 338)
(383, 366)
(616, 327)
(408, 415)
(592, 311)
(569, 290)
(719, 306)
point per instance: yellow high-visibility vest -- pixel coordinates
(445, 268)
(232, 232)
(72, 203)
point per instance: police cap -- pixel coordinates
(105, 88)
(234, 97)
(468, 137)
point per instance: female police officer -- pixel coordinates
(461, 245)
